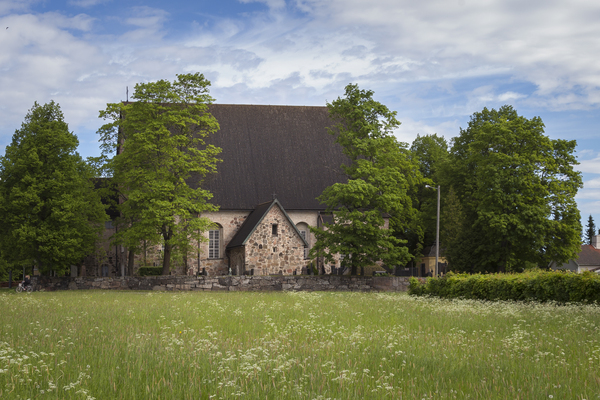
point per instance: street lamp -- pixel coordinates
(437, 230)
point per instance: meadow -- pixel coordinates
(308, 345)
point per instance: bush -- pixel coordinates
(150, 271)
(415, 287)
(558, 286)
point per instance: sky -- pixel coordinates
(434, 62)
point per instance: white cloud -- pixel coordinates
(408, 130)
(591, 166)
(395, 47)
(592, 184)
(7, 6)
(87, 3)
(510, 96)
(588, 194)
(273, 4)
(552, 44)
(80, 22)
(147, 17)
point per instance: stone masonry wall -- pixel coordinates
(229, 283)
(274, 253)
(230, 222)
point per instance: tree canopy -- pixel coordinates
(517, 190)
(156, 144)
(431, 151)
(50, 214)
(380, 175)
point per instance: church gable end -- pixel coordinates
(274, 246)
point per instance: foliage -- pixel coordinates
(149, 271)
(379, 173)
(538, 285)
(517, 192)
(452, 228)
(415, 287)
(157, 146)
(431, 151)
(50, 213)
(590, 230)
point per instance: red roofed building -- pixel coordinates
(588, 258)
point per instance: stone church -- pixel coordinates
(276, 161)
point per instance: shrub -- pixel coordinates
(150, 271)
(557, 286)
(415, 287)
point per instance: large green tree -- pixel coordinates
(590, 230)
(156, 144)
(380, 175)
(431, 151)
(452, 228)
(50, 214)
(517, 192)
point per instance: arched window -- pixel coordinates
(215, 239)
(305, 233)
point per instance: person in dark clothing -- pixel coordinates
(27, 281)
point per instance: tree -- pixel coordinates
(516, 188)
(156, 145)
(380, 173)
(452, 230)
(51, 215)
(590, 230)
(431, 151)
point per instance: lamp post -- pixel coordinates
(437, 230)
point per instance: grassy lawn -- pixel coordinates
(184, 345)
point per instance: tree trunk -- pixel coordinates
(167, 260)
(130, 262)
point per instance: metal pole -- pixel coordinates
(437, 234)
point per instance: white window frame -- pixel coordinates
(214, 243)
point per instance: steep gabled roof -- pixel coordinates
(254, 219)
(267, 150)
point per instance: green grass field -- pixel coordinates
(184, 345)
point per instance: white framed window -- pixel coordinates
(214, 243)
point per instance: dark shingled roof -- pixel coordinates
(253, 220)
(589, 256)
(282, 150)
(429, 251)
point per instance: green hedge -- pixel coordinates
(150, 271)
(558, 286)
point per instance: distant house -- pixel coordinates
(588, 259)
(428, 261)
(276, 161)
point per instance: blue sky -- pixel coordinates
(434, 62)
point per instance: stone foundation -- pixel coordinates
(229, 283)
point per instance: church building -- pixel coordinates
(276, 161)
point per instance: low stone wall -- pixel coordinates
(229, 283)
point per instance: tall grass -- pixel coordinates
(140, 345)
